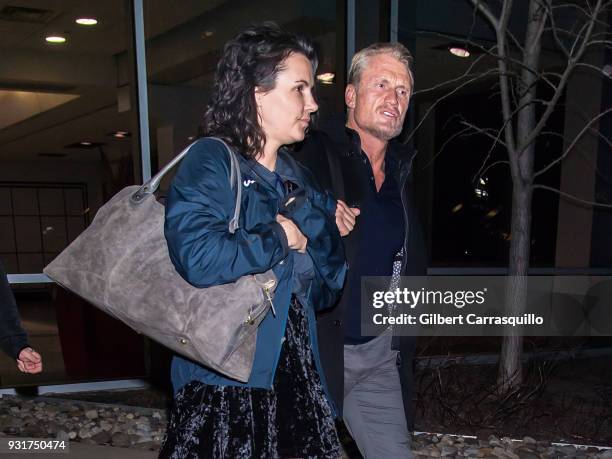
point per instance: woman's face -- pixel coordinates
(284, 112)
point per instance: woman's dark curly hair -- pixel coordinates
(251, 60)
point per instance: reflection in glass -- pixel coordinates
(61, 102)
(183, 45)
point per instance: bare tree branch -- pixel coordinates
(448, 141)
(501, 26)
(489, 52)
(484, 131)
(486, 12)
(595, 68)
(561, 85)
(572, 197)
(571, 145)
(465, 74)
(555, 31)
(446, 96)
(491, 166)
(582, 151)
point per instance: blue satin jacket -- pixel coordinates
(199, 207)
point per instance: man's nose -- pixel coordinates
(392, 97)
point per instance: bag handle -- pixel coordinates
(151, 185)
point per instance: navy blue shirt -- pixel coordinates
(381, 236)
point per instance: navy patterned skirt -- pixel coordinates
(292, 420)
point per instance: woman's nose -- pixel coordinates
(311, 105)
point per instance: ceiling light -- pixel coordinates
(326, 78)
(86, 143)
(120, 134)
(55, 39)
(86, 21)
(459, 52)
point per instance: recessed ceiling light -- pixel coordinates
(459, 52)
(86, 143)
(55, 39)
(326, 78)
(87, 21)
(120, 134)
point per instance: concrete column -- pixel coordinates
(578, 176)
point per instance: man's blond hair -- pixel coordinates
(360, 59)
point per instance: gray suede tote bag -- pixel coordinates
(120, 263)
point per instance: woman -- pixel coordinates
(262, 100)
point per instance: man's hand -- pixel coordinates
(345, 217)
(29, 361)
(295, 238)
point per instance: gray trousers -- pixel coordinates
(373, 407)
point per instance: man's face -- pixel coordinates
(378, 104)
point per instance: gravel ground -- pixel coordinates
(135, 427)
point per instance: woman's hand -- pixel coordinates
(29, 361)
(295, 238)
(345, 217)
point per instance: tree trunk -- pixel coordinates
(510, 373)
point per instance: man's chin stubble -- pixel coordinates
(384, 134)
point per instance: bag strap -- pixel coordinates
(151, 185)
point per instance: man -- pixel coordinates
(13, 339)
(357, 159)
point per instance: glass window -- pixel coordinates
(183, 46)
(68, 123)
(68, 130)
(467, 217)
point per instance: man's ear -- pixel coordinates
(350, 93)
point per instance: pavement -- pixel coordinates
(82, 451)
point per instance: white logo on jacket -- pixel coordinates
(248, 182)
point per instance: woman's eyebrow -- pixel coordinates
(307, 83)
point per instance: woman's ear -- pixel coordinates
(259, 93)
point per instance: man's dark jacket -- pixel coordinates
(333, 154)
(12, 337)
